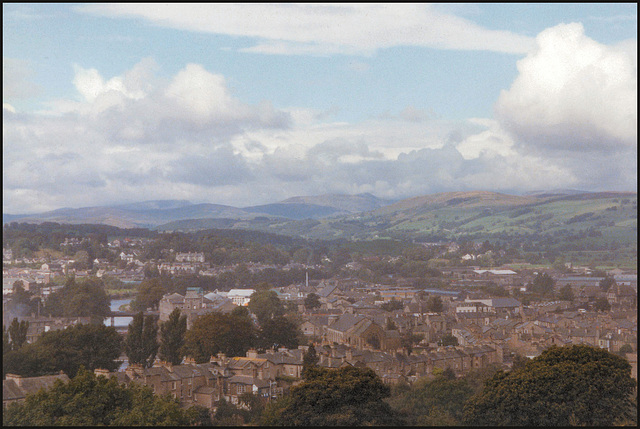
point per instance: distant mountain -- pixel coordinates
(448, 215)
(294, 211)
(154, 205)
(345, 203)
(142, 215)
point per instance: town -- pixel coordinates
(408, 316)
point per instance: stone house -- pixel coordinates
(15, 388)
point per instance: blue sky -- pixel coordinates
(250, 104)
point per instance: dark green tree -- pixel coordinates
(88, 400)
(279, 332)
(172, 333)
(392, 304)
(543, 284)
(310, 359)
(566, 293)
(215, 333)
(577, 385)
(434, 304)
(141, 344)
(18, 333)
(606, 283)
(85, 298)
(602, 304)
(408, 340)
(6, 341)
(437, 402)
(312, 301)
(347, 396)
(92, 346)
(266, 305)
(150, 292)
(448, 340)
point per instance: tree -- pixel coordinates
(434, 304)
(215, 333)
(566, 293)
(606, 283)
(23, 301)
(141, 344)
(87, 400)
(266, 305)
(408, 339)
(172, 333)
(437, 402)
(309, 360)
(577, 385)
(18, 333)
(347, 396)
(280, 331)
(602, 304)
(448, 340)
(626, 348)
(80, 299)
(543, 284)
(92, 346)
(6, 341)
(392, 305)
(150, 292)
(312, 301)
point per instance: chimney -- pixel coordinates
(252, 354)
(15, 377)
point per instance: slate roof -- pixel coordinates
(505, 302)
(19, 389)
(345, 322)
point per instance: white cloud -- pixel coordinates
(323, 29)
(573, 94)
(134, 137)
(16, 80)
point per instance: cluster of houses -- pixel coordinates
(352, 327)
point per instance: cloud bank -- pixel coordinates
(567, 121)
(323, 29)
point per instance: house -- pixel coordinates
(240, 297)
(622, 295)
(193, 304)
(190, 257)
(15, 388)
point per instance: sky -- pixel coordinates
(243, 104)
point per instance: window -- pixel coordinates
(173, 386)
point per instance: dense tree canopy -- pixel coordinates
(232, 334)
(266, 305)
(279, 332)
(91, 346)
(85, 298)
(312, 301)
(437, 402)
(141, 344)
(172, 334)
(347, 396)
(87, 400)
(574, 385)
(18, 333)
(543, 284)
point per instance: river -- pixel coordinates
(119, 322)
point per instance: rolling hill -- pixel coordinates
(604, 217)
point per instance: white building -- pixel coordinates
(240, 297)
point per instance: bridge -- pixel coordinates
(114, 314)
